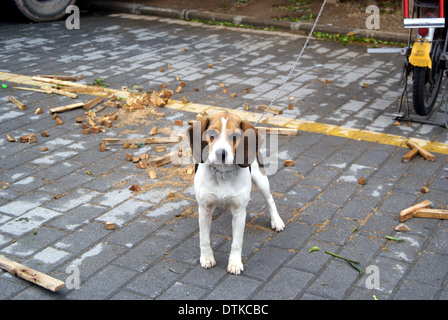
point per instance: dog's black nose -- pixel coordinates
(221, 154)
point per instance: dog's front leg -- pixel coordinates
(235, 265)
(205, 220)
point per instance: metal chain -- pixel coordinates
(295, 64)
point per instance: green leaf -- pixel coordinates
(314, 249)
(393, 238)
(354, 265)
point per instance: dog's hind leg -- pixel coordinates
(262, 183)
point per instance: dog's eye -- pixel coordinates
(212, 134)
(235, 136)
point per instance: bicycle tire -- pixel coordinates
(426, 84)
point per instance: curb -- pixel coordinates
(185, 14)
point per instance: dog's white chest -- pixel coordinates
(223, 187)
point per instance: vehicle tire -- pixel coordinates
(426, 82)
(43, 10)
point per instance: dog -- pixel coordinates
(225, 149)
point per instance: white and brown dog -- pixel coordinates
(225, 148)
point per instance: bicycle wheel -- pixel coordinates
(426, 82)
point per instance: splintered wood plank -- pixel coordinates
(31, 275)
(143, 140)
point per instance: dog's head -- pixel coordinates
(223, 138)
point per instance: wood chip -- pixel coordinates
(38, 111)
(154, 131)
(424, 190)
(135, 187)
(102, 147)
(10, 138)
(362, 181)
(402, 227)
(288, 163)
(160, 149)
(109, 225)
(30, 138)
(142, 164)
(59, 121)
(152, 174)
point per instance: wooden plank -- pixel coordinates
(92, 103)
(60, 82)
(279, 131)
(17, 103)
(423, 153)
(408, 212)
(86, 90)
(410, 155)
(60, 92)
(271, 109)
(160, 161)
(431, 213)
(67, 107)
(143, 140)
(64, 78)
(31, 275)
(49, 91)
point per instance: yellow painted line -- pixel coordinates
(276, 120)
(316, 127)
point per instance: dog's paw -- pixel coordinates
(208, 262)
(235, 267)
(277, 224)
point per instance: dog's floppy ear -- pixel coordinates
(247, 150)
(197, 141)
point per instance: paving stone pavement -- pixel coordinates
(153, 253)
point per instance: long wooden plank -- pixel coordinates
(67, 107)
(431, 213)
(279, 131)
(49, 91)
(31, 275)
(143, 140)
(60, 82)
